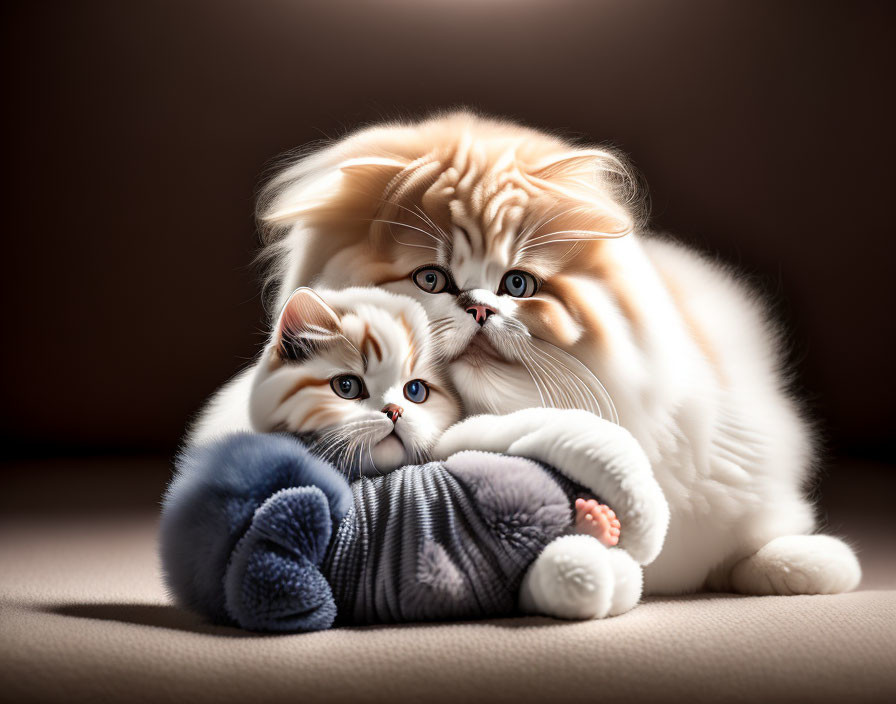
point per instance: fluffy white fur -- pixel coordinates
(684, 351)
(576, 577)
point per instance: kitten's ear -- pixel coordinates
(305, 319)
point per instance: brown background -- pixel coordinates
(136, 133)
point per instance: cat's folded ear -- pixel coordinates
(306, 320)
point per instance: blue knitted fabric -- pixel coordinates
(211, 503)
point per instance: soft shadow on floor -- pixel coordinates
(697, 596)
(173, 618)
(529, 621)
(154, 615)
(509, 622)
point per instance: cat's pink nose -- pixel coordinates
(480, 313)
(393, 411)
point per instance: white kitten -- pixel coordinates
(355, 375)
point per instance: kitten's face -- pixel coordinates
(356, 378)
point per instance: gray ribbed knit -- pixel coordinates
(444, 540)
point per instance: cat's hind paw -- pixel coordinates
(798, 564)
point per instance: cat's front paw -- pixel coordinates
(273, 582)
(610, 462)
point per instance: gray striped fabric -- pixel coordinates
(445, 540)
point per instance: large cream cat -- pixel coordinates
(526, 250)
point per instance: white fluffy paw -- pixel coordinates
(798, 564)
(628, 584)
(576, 577)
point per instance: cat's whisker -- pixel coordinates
(558, 382)
(544, 221)
(542, 386)
(571, 252)
(549, 239)
(418, 246)
(536, 380)
(432, 224)
(599, 394)
(410, 227)
(409, 244)
(424, 218)
(570, 391)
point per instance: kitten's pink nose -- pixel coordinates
(393, 411)
(480, 313)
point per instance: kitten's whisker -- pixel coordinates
(370, 455)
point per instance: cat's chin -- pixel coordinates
(386, 455)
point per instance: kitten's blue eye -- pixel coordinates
(416, 391)
(347, 386)
(431, 279)
(519, 284)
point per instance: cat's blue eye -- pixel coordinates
(431, 279)
(416, 391)
(519, 284)
(347, 386)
